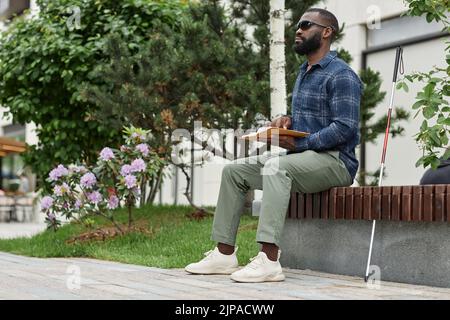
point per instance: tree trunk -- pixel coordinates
(277, 59)
(155, 183)
(143, 198)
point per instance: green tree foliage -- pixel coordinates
(44, 62)
(202, 72)
(432, 100)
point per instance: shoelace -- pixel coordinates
(255, 262)
(208, 255)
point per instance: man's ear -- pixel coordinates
(327, 33)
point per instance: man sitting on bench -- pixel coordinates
(325, 103)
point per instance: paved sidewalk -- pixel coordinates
(57, 278)
(20, 229)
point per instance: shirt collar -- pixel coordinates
(323, 63)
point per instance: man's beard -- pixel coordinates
(308, 46)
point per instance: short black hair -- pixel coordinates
(330, 18)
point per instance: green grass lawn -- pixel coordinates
(168, 239)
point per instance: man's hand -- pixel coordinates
(286, 142)
(281, 122)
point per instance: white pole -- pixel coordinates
(277, 59)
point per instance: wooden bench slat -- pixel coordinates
(324, 205)
(332, 204)
(406, 203)
(376, 204)
(301, 206)
(439, 203)
(309, 207)
(316, 205)
(417, 203)
(428, 200)
(340, 203)
(386, 195)
(349, 209)
(397, 203)
(293, 205)
(358, 204)
(367, 203)
(447, 201)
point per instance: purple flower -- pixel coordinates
(58, 172)
(130, 181)
(138, 165)
(94, 197)
(125, 170)
(60, 190)
(106, 154)
(113, 202)
(143, 148)
(88, 180)
(46, 202)
(78, 204)
(57, 191)
(51, 216)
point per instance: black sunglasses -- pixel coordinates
(306, 24)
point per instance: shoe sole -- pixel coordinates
(274, 278)
(225, 272)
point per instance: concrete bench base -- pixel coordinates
(408, 252)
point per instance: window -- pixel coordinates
(401, 29)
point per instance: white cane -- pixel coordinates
(386, 138)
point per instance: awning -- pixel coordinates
(8, 145)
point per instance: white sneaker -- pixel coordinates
(260, 269)
(215, 263)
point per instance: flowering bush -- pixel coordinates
(117, 179)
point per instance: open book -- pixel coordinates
(267, 132)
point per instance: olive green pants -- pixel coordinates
(277, 176)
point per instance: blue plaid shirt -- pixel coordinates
(325, 103)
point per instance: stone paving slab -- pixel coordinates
(81, 278)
